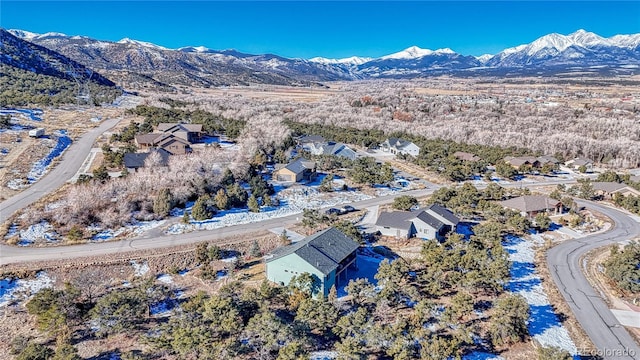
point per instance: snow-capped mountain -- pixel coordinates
(484, 58)
(581, 51)
(581, 48)
(141, 43)
(415, 52)
(353, 60)
(197, 66)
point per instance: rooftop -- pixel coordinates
(323, 250)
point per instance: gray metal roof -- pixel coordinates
(399, 143)
(323, 250)
(396, 219)
(299, 165)
(444, 212)
(430, 220)
(311, 139)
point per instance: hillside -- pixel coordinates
(33, 74)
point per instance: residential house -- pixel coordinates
(146, 141)
(176, 138)
(520, 161)
(327, 256)
(577, 163)
(531, 205)
(307, 139)
(134, 161)
(173, 144)
(400, 146)
(297, 170)
(188, 132)
(433, 222)
(608, 190)
(548, 160)
(330, 148)
(465, 156)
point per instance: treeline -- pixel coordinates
(623, 268)
(435, 154)
(19, 87)
(449, 301)
(211, 124)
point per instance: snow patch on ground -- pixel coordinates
(543, 324)
(140, 269)
(136, 228)
(323, 355)
(165, 278)
(292, 201)
(41, 166)
(42, 231)
(367, 268)
(31, 114)
(479, 355)
(12, 289)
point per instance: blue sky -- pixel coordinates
(329, 28)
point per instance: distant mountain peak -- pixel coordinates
(484, 58)
(141, 43)
(415, 52)
(353, 60)
(28, 35)
(198, 49)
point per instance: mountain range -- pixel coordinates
(580, 52)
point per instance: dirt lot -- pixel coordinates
(21, 155)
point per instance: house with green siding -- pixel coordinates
(327, 255)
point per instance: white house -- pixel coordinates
(400, 146)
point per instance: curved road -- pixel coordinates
(72, 159)
(564, 260)
(565, 263)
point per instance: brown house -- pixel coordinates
(297, 170)
(465, 156)
(517, 162)
(531, 205)
(173, 137)
(188, 132)
(608, 189)
(173, 144)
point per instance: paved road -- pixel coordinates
(71, 161)
(155, 240)
(566, 266)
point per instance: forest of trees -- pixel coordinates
(449, 301)
(19, 87)
(599, 127)
(623, 267)
(211, 124)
